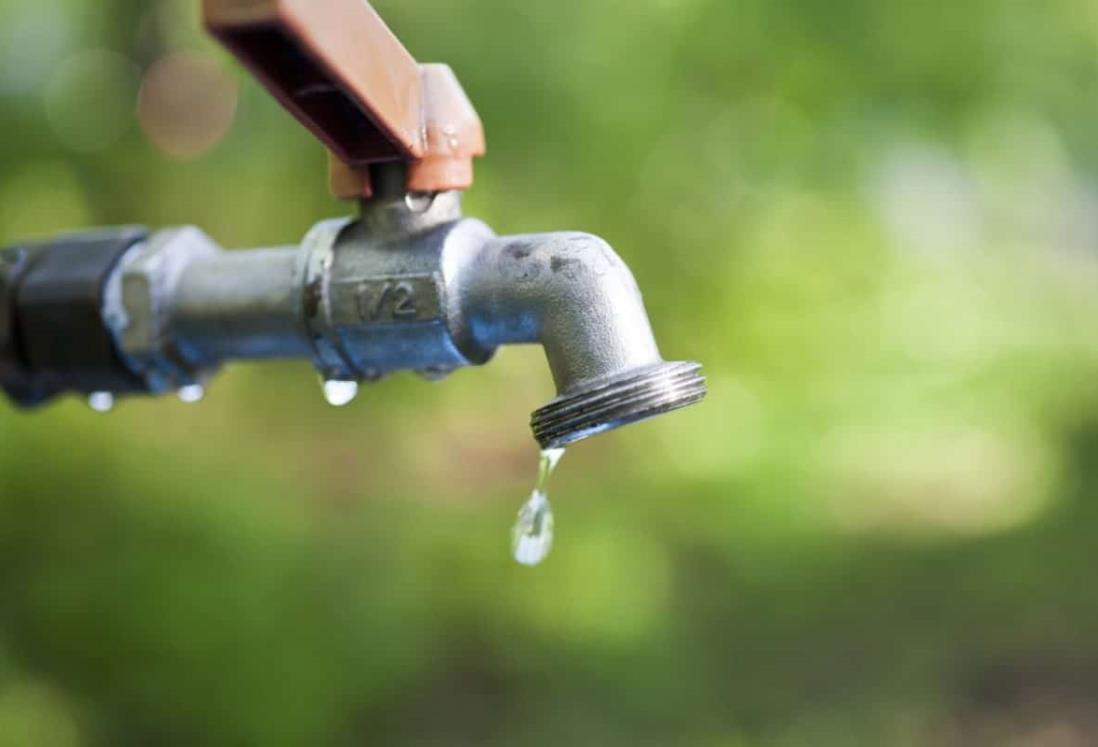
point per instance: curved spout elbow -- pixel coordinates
(567, 291)
(571, 293)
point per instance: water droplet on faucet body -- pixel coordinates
(532, 534)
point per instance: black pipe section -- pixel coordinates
(53, 337)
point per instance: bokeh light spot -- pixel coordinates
(32, 39)
(935, 480)
(186, 105)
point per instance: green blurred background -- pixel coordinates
(874, 221)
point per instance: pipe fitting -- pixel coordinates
(378, 302)
(571, 293)
(138, 305)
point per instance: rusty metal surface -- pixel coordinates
(338, 69)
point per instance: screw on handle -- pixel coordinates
(341, 72)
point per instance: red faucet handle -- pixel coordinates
(341, 72)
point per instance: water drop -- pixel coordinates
(101, 401)
(419, 202)
(339, 393)
(532, 534)
(451, 137)
(191, 393)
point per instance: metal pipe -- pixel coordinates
(240, 304)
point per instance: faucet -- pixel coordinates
(410, 284)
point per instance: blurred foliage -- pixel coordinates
(874, 221)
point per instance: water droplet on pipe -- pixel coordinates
(101, 401)
(339, 393)
(191, 393)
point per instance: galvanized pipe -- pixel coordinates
(240, 304)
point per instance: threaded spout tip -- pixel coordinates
(626, 398)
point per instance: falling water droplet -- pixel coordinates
(532, 534)
(339, 393)
(191, 393)
(101, 401)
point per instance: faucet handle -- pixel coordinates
(337, 68)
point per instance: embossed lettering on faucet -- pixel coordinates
(409, 298)
(396, 297)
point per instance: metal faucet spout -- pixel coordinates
(571, 293)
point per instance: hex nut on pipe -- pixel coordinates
(147, 284)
